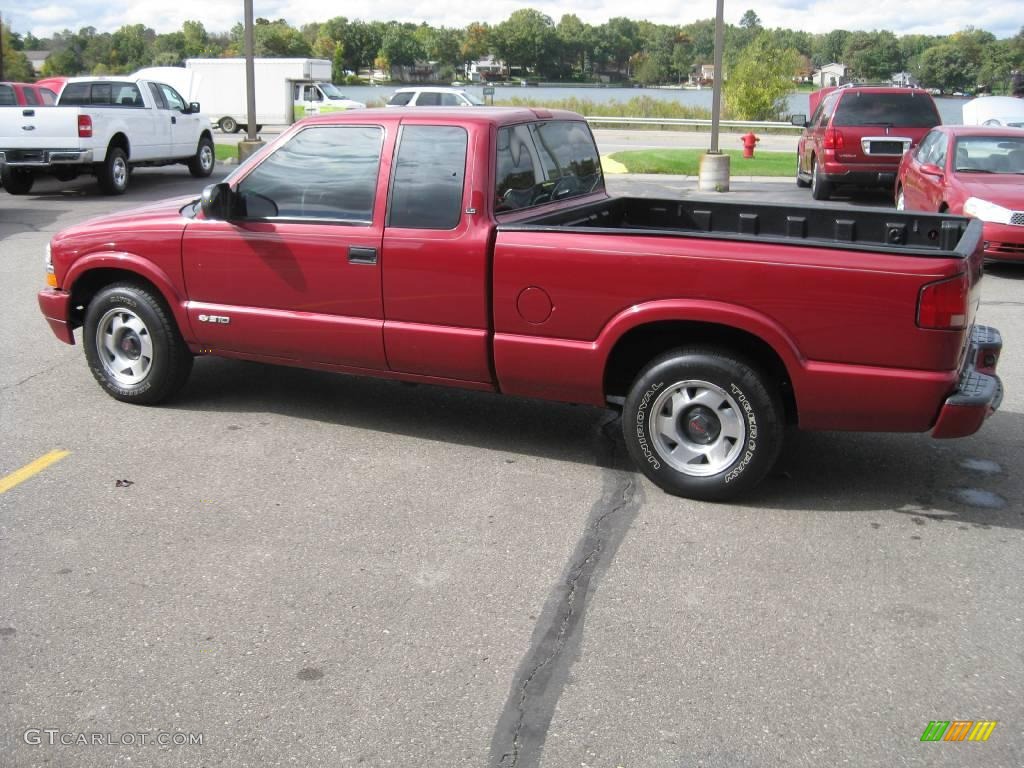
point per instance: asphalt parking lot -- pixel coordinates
(300, 568)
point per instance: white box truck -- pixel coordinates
(286, 90)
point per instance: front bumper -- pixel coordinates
(55, 305)
(1004, 242)
(979, 392)
(44, 158)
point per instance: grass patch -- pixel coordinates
(641, 106)
(686, 162)
(225, 151)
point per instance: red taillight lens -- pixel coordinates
(942, 306)
(84, 127)
(834, 139)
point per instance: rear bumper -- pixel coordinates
(871, 176)
(979, 392)
(55, 305)
(44, 158)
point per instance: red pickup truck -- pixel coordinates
(478, 248)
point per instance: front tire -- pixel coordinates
(201, 165)
(703, 424)
(17, 181)
(800, 180)
(133, 346)
(114, 172)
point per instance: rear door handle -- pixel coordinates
(360, 255)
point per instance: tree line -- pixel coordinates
(620, 50)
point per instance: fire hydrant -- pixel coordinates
(749, 142)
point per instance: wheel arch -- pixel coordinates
(120, 141)
(638, 345)
(87, 279)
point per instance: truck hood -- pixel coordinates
(122, 232)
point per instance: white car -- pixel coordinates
(433, 97)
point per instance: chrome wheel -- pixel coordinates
(119, 171)
(125, 346)
(206, 158)
(697, 428)
(901, 203)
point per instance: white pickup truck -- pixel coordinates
(104, 126)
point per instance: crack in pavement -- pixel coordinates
(519, 737)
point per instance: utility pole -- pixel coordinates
(2, 48)
(251, 143)
(714, 166)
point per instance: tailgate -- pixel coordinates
(39, 128)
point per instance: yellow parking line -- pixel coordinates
(21, 475)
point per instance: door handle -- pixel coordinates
(360, 255)
(174, 120)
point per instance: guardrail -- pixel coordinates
(690, 122)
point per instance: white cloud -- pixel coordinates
(908, 16)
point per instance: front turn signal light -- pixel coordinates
(51, 280)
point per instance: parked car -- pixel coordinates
(995, 111)
(974, 171)
(433, 97)
(26, 95)
(106, 127)
(857, 135)
(478, 248)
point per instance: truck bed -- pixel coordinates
(864, 229)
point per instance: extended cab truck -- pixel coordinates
(478, 248)
(104, 126)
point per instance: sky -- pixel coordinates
(1003, 19)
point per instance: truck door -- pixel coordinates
(295, 274)
(309, 98)
(184, 127)
(436, 255)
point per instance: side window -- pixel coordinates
(827, 108)
(174, 101)
(426, 189)
(323, 172)
(74, 94)
(427, 99)
(516, 174)
(7, 96)
(940, 152)
(49, 97)
(158, 97)
(400, 99)
(311, 93)
(926, 149)
(31, 97)
(450, 100)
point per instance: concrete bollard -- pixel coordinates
(246, 148)
(714, 173)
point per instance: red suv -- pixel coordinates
(857, 135)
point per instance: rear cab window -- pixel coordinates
(543, 162)
(429, 176)
(7, 98)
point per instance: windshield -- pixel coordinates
(331, 91)
(990, 154)
(542, 162)
(906, 110)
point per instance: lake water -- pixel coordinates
(949, 109)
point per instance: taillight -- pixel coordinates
(84, 127)
(834, 139)
(942, 306)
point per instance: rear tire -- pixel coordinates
(201, 165)
(133, 346)
(114, 172)
(703, 424)
(228, 125)
(18, 181)
(820, 188)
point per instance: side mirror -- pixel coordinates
(930, 169)
(217, 201)
(193, 107)
(799, 120)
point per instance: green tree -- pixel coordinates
(758, 85)
(829, 47)
(945, 66)
(131, 47)
(16, 64)
(750, 20)
(874, 56)
(196, 39)
(526, 39)
(400, 46)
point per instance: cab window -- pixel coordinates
(426, 189)
(171, 97)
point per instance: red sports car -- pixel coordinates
(974, 171)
